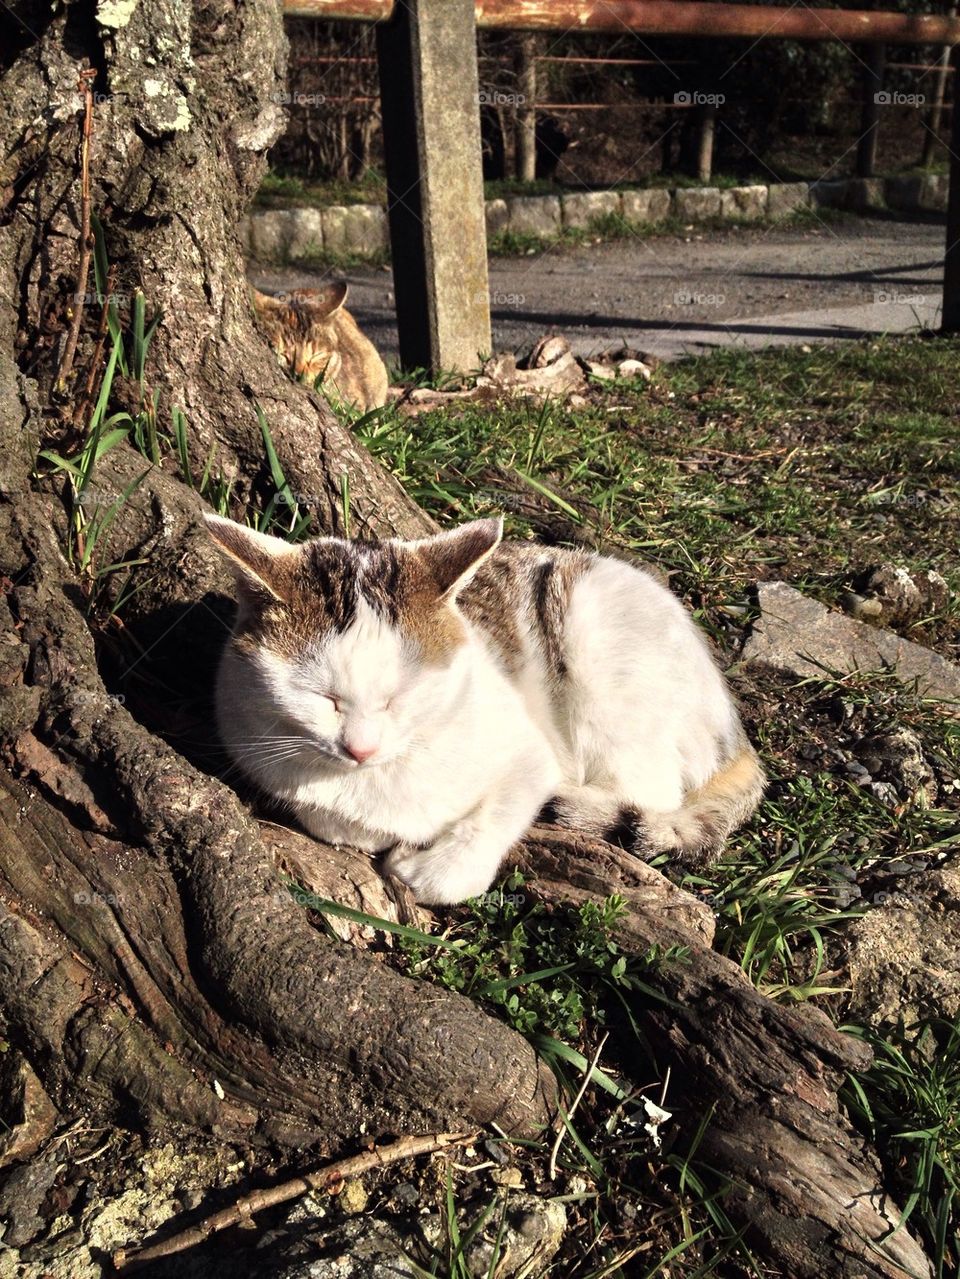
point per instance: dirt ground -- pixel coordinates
(677, 294)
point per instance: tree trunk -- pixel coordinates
(151, 962)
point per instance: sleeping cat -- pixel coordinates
(315, 336)
(431, 698)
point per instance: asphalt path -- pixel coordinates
(682, 294)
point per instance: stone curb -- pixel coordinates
(300, 236)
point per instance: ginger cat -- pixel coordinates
(314, 335)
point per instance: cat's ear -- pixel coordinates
(325, 302)
(263, 564)
(265, 305)
(454, 557)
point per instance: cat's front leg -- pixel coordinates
(464, 859)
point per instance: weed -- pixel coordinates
(908, 1104)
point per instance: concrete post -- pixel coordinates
(429, 94)
(950, 319)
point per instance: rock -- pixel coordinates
(829, 193)
(353, 1197)
(897, 757)
(605, 372)
(802, 637)
(861, 607)
(306, 239)
(510, 1177)
(271, 231)
(23, 1194)
(535, 215)
(364, 1248)
(634, 368)
(359, 229)
(361, 1248)
(897, 597)
(497, 215)
(697, 204)
(923, 191)
(748, 203)
(646, 207)
(533, 1232)
(784, 198)
(904, 955)
(547, 351)
(583, 207)
(886, 793)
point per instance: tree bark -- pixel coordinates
(151, 962)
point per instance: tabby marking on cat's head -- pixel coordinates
(300, 329)
(356, 641)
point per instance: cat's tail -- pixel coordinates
(694, 833)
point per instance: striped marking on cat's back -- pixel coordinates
(523, 592)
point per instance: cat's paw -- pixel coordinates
(436, 878)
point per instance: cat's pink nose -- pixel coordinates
(360, 753)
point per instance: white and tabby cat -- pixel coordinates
(430, 698)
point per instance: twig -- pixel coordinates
(86, 239)
(87, 398)
(326, 1178)
(576, 1102)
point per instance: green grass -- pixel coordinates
(805, 466)
(908, 1104)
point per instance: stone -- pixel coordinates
(353, 1197)
(745, 203)
(634, 368)
(799, 636)
(534, 1230)
(358, 229)
(646, 207)
(829, 193)
(603, 372)
(306, 239)
(903, 956)
(581, 208)
(896, 597)
(535, 215)
(271, 231)
(696, 204)
(784, 198)
(365, 1248)
(934, 192)
(497, 216)
(897, 758)
(926, 192)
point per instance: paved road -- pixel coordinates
(673, 295)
